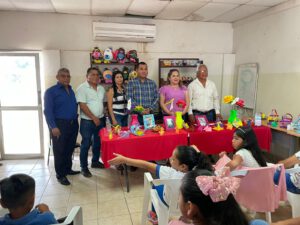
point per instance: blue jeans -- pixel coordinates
(122, 120)
(90, 136)
(258, 222)
(289, 184)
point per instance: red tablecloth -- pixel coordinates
(217, 141)
(151, 146)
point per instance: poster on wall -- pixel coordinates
(247, 84)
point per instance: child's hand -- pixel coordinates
(119, 159)
(42, 207)
(195, 147)
(221, 154)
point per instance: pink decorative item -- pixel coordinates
(169, 122)
(134, 120)
(207, 129)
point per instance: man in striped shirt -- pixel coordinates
(143, 91)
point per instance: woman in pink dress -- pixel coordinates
(173, 92)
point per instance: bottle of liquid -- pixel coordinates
(257, 119)
(108, 127)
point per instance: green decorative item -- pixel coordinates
(233, 116)
(179, 120)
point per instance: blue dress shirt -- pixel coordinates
(59, 104)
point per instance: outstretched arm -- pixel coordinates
(119, 159)
(235, 162)
(290, 162)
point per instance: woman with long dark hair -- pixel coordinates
(117, 101)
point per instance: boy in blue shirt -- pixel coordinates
(17, 195)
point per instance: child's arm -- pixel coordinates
(289, 162)
(119, 159)
(235, 162)
(294, 221)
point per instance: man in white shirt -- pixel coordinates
(90, 97)
(204, 98)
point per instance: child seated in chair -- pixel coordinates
(247, 151)
(292, 180)
(17, 195)
(183, 159)
(208, 200)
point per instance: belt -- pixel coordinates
(204, 112)
(70, 121)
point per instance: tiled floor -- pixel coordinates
(103, 197)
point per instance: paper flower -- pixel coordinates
(240, 103)
(235, 101)
(228, 99)
(181, 104)
(138, 109)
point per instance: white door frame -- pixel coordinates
(38, 108)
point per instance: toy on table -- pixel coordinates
(136, 130)
(296, 124)
(273, 117)
(263, 116)
(274, 124)
(97, 55)
(116, 129)
(124, 134)
(237, 123)
(157, 128)
(229, 126)
(179, 121)
(218, 127)
(108, 55)
(286, 120)
(162, 131)
(207, 129)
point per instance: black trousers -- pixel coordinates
(63, 146)
(210, 115)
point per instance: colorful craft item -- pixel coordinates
(107, 76)
(178, 120)
(116, 129)
(181, 104)
(108, 55)
(132, 75)
(274, 124)
(229, 126)
(157, 128)
(134, 120)
(136, 130)
(162, 131)
(228, 99)
(237, 123)
(185, 126)
(132, 56)
(138, 109)
(110, 135)
(124, 134)
(207, 129)
(120, 55)
(97, 55)
(240, 103)
(263, 116)
(218, 127)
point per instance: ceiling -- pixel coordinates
(189, 10)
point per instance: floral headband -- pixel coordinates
(218, 188)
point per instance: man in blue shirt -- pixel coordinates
(143, 91)
(61, 116)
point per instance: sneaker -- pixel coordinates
(98, 165)
(152, 217)
(86, 173)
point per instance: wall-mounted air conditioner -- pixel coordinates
(124, 32)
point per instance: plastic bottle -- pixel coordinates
(257, 119)
(108, 125)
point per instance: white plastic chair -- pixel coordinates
(150, 195)
(294, 199)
